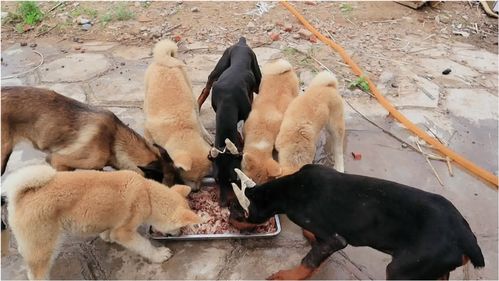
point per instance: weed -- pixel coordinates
(84, 11)
(29, 12)
(20, 27)
(345, 8)
(12, 18)
(106, 18)
(360, 83)
(122, 13)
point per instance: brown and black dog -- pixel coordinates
(78, 136)
(424, 233)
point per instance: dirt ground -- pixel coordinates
(350, 23)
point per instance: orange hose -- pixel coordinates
(482, 173)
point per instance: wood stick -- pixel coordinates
(429, 163)
(449, 166)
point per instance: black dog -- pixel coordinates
(235, 77)
(423, 232)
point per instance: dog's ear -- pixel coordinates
(181, 189)
(163, 153)
(183, 161)
(273, 168)
(189, 217)
(152, 171)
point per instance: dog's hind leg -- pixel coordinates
(336, 129)
(38, 249)
(7, 146)
(320, 251)
(130, 239)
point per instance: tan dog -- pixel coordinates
(172, 116)
(320, 106)
(77, 136)
(278, 88)
(44, 204)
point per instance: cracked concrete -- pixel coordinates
(463, 111)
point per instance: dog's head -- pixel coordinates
(260, 169)
(170, 210)
(225, 161)
(163, 169)
(253, 212)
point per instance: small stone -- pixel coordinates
(23, 44)
(296, 36)
(81, 20)
(269, 27)
(122, 63)
(394, 85)
(177, 38)
(77, 48)
(195, 9)
(305, 34)
(404, 145)
(86, 26)
(33, 45)
(62, 66)
(310, 3)
(288, 27)
(356, 156)
(312, 39)
(446, 71)
(250, 25)
(274, 36)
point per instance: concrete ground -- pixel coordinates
(460, 108)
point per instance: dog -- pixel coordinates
(78, 136)
(278, 88)
(238, 66)
(235, 77)
(172, 117)
(319, 107)
(44, 205)
(424, 233)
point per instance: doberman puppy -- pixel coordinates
(423, 232)
(235, 77)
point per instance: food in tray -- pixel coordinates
(216, 219)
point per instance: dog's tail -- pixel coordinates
(325, 78)
(30, 177)
(165, 53)
(470, 246)
(276, 67)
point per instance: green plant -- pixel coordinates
(123, 13)
(345, 8)
(20, 27)
(84, 11)
(360, 83)
(30, 12)
(106, 18)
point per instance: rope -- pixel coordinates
(465, 163)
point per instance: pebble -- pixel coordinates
(33, 45)
(296, 36)
(446, 71)
(23, 44)
(86, 26)
(288, 27)
(195, 9)
(404, 145)
(274, 36)
(312, 39)
(305, 34)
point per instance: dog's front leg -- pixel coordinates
(320, 251)
(132, 240)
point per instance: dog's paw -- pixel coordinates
(105, 236)
(298, 273)
(162, 254)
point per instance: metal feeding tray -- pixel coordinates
(220, 236)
